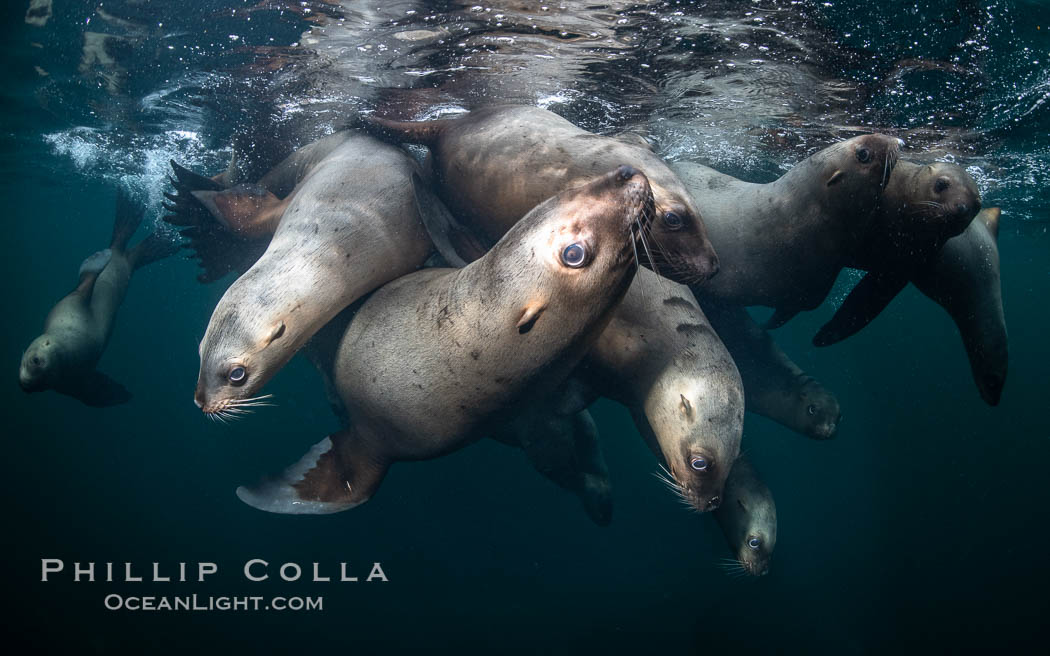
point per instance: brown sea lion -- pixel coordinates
(922, 208)
(775, 387)
(435, 359)
(748, 519)
(350, 225)
(494, 164)
(78, 328)
(782, 244)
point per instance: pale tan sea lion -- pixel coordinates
(436, 359)
(494, 164)
(748, 519)
(775, 387)
(782, 244)
(351, 224)
(78, 328)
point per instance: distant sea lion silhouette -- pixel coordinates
(78, 328)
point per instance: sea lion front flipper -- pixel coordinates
(780, 317)
(867, 300)
(333, 476)
(454, 242)
(96, 390)
(247, 210)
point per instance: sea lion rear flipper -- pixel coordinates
(419, 132)
(126, 220)
(96, 390)
(780, 317)
(454, 242)
(869, 298)
(155, 247)
(191, 180)
(247, 210)
(330, 478)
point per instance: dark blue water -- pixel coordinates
(922, 526)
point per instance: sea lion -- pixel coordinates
(748, 519)
(435, 359)
(922, 208)
(78, 328)
(774, 386)
(660, 357)
(351, 225)
(494, 164)
(782, 244)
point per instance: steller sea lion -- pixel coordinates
(782, 244)
(922, 208)
(78, 328)
(748, 519)
(350, 225)
(495, 164)
(435, 359)
(774, 386)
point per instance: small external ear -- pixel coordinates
(277, 331)
(529, 316)
(835, 177)
(685, 406)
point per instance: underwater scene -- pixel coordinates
(526, 327)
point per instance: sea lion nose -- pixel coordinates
(977, 205)
(625, 173)
(713, 503)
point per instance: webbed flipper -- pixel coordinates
(780, 317)
(248, 211)
(867, 300)
(333, 476)
(96, 390)
(457, 244)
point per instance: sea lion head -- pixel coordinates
(931, 202)
(698, 422)
(756, 536)
(817, 411)
(678, 246)
(40, 364)
(236, 358)
(855, 172)
(571, 256)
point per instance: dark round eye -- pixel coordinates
(863, 155)
(812, 409)
(574, 255)
(699, 464)
(941, 185)
(237, 375)
(35, 360)
(673, 221)
(754, 543)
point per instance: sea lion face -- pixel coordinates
(232, 369)
(757, 540)
(699, 434)
(40, 364)
(937, 201)
(579, 246)
(856, 171)
(817, 412)
(678, 246)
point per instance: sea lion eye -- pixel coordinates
(673, 221)
(812, 409)
(699, 464)
(238, 375)
(941, 185)
(754, 543)
(574, 255)
(863, 155)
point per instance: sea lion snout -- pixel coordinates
(625, 173)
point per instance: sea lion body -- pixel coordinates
(748, 519)
(78, 328)
(782, 244)
(775, 387)
(660, 357)
(351, 225)
(435, 359)
(495, 164)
